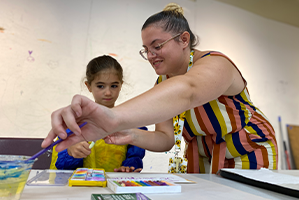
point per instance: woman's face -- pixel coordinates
(168, 60)
(105, 88)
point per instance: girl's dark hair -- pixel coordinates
(171, 19)
(98, 64)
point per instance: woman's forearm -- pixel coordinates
(152, 140)
(161, 103)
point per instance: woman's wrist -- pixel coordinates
(133, 136)
(118, 120)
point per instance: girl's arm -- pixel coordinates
(134, 157)
(65, 161)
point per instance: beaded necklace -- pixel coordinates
(178, 124)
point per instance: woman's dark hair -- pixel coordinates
(98, 64)
(171, 19)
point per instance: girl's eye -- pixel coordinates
(100, 86)
(114, 86)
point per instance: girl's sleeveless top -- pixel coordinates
(228, 132)
(105, 156)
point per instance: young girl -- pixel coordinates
(104, 80)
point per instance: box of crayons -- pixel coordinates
(131, 196)
(88, 177)
(127, 185)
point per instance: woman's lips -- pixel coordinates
(157, 63)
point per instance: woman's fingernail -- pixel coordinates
(63, 135)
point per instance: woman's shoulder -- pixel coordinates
(198, 55)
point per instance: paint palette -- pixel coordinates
(88, 177)
(127, 185)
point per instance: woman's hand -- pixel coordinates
(127, 169)
(100, 122)
(79, 150)
(120, 137)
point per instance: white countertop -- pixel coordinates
(207, 186)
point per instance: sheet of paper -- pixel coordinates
(268, 176)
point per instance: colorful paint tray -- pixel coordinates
(88, 177)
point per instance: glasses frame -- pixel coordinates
(142, 51)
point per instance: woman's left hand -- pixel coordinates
(120, 137)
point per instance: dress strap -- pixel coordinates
(217, 53)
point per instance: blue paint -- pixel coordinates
(14, 166)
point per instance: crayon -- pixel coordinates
(129, 183)
(152, 183)
(136, 184)
(145, 183)
(167, 183)
(159, 183)
(122, 183)
(117, 183)
(140, 183)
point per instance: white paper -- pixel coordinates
(266, 175)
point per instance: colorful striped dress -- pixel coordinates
(228, 132)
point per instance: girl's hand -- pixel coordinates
(80, 150)
(127, 169)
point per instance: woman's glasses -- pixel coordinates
(155, 50)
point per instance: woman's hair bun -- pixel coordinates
(174, 8)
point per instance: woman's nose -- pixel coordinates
(151, 54)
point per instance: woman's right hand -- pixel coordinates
(100, 122)
(79, 150)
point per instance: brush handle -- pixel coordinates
(68, 131)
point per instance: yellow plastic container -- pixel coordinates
(88, 177)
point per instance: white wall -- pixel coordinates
(64, 35)
(265, 51)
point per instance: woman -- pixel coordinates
(222, 127)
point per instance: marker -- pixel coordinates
(91, 144)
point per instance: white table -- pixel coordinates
(207, 186)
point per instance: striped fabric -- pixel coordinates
(228, 132)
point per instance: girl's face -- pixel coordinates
(170, 58)
(105, 87)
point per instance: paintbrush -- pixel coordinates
(68, 131)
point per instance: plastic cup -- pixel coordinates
(14, 171)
